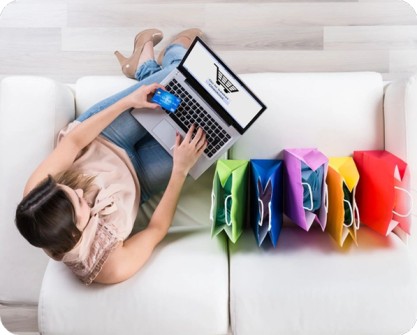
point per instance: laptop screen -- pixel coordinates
(214, 77)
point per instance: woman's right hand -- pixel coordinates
(140, 98)
(188, 151)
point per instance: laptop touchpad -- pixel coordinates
(165, 133)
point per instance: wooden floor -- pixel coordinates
(67, 39)
(19, 319)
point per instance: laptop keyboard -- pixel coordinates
(191, 112)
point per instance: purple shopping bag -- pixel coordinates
(313, 163)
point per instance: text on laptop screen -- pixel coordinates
(221, 85)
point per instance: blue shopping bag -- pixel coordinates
(267, 199)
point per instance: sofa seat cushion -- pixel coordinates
(193, 209)
(184, 283)
(308, 285)
(194, 204)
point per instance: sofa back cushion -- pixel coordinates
(32, 111)
(92, 89)
(334, 112)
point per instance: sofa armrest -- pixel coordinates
(32, 111)
(400, 114)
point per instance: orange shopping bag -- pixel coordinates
(383, 195)
(343, 215)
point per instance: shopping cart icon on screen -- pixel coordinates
(223, 81)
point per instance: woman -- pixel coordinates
(80, 204)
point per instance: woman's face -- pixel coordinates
(81, 208)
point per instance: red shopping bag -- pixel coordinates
(382, 195)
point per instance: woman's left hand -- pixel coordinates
(188, 150)
(140, 97)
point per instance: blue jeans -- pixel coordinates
(152, 163)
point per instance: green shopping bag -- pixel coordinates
(229, 198)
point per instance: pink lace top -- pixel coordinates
(114, 201)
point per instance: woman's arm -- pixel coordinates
(130, 256)
(67, 150)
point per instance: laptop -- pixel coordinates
(212, 97)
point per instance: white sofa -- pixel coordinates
(197, 285)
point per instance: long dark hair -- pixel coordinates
(46, 217)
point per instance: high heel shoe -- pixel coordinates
(129, 65)
(189, 34)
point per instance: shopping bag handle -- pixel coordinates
(261, 215)
(229, 223)
(213, 198)
(352, 221)
(260, 222)
(411, 201)
(355, 209)
(358, 221)
(270, 217)
(311, 197)
(326, 199)
(351, 215)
